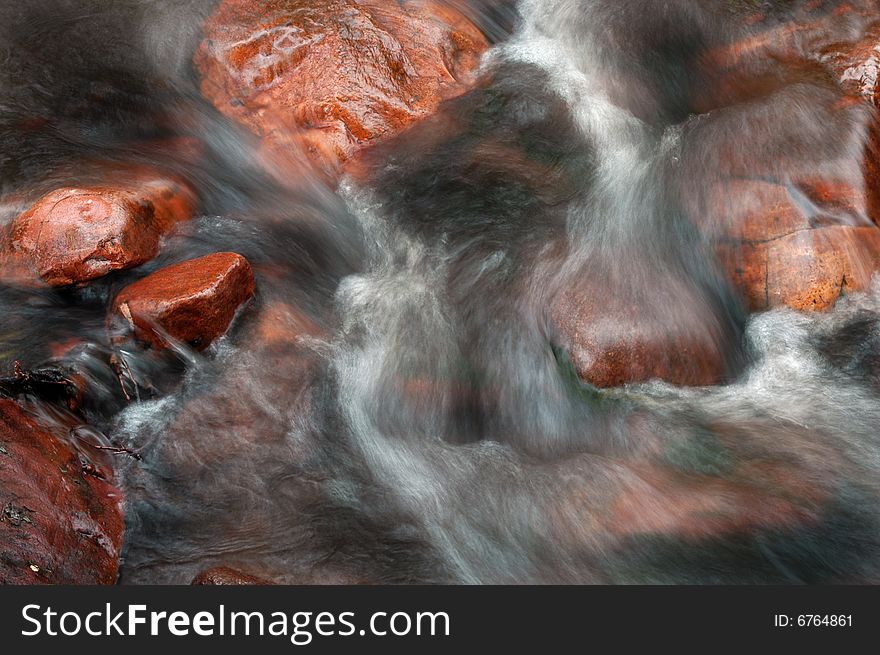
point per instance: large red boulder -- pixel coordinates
(330, 77)
(807, 269)
(800, 247)
(788, 154)
(617, 334)
(60, 513)
(78, 233)
(193, 301)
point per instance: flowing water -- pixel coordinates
(427, 425)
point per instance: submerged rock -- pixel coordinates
(60, 515)
(791, 205)
(616, 336)
(857, 67)
(223, 575)
(800, 247)
(75, 234)
(807, 269)
(193, 301)
(331, 77)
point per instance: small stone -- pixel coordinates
(193, 301)
(223, 575)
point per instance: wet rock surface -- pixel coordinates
(612, 341)
(76, 234)
(60, 513)
(449, 371)
(330, 78)
(791, 214)
(807, 269)
(192, 302)
(797, 246)
(225, 576)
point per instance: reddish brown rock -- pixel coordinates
(837, 197)
(749, 210)
(615, 335)
(330, 77)
(811, 31)
(75, 234)
(857, 64)
(193, 301)
(283, 324)
(60, 515)
(796, 245)
(857, 67)
(803, 233)
(835, 45)
(761, 490)
(806, 270)
(223, 575)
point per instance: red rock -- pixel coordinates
(805, 270)
(803, 233)
(749, 210)
(617, 336)
(800, 246)
(856, 66)
(760, 492)
(75, 234)
(836, 196)
(60, 516)
(808, 32)
(193, 301)
(841, 44)
(331, 77)
(280, 324)
(223, 575)
(797, 246)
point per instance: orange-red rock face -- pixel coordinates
(857, 67)
(792, 216)
(76, 234)
(806, 270)
(60, 516)
(798, 247)
(331, 77)
(193, 301)
(617, 337)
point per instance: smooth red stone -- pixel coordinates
(223, 575)
(60, 514)
(193, 301)
(617, 337)
(76, 234)
(331, 77)
(805, 270)
(282, 324)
